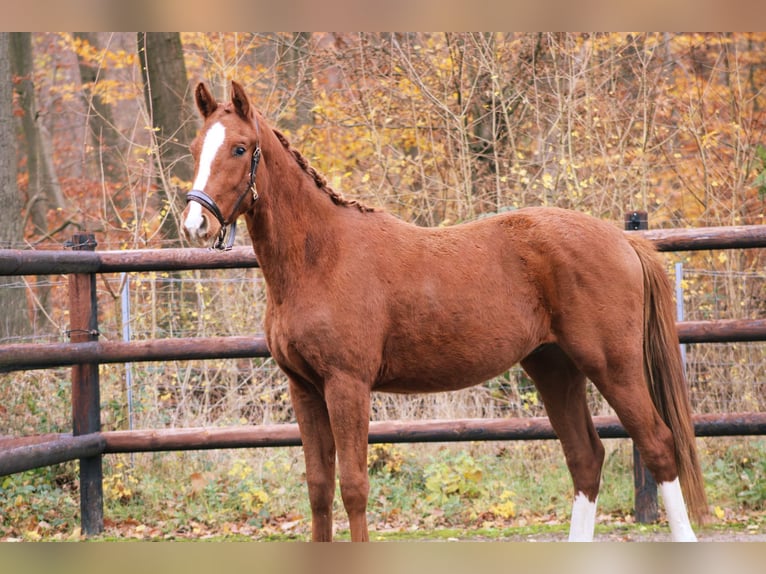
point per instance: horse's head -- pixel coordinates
(226, 155)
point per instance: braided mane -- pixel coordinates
(318, 178)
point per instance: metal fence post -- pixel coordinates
(86, 409)
(643, 481)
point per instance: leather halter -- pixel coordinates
(228, 232)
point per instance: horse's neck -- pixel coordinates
(293, 228)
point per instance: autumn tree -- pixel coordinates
(166, 89)
(43, 189)
(105, 137)
(294, 78)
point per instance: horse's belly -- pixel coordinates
(439, 370)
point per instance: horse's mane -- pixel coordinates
(318, 178)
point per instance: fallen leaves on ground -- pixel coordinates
(725, 524)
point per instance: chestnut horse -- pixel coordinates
(360, 301)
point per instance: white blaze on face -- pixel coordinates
(213, 141)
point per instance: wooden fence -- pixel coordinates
(85, 352)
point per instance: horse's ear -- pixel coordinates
(241, 102)
(205, 100)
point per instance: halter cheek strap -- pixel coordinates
(254, 161)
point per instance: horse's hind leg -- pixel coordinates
(562, 388)
(619, 376)
(319, 453)
(627, 393)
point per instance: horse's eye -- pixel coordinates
(239, 150)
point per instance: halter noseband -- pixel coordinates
(228, 233)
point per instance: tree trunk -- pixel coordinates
(166, 89)
(477, 55)
(44, 191)
(13, 299)
(104, 135)
(294, 77)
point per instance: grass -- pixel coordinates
(494, 491)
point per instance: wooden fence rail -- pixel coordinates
(84, 353)
(29, 356)
(20, 454)
(28, 262)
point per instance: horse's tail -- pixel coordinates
(664, 373)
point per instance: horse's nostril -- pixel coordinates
(195, 224)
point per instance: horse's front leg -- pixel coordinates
(348, 402)
(319, 453)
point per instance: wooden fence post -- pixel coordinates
(645, 486)
(86, 408)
